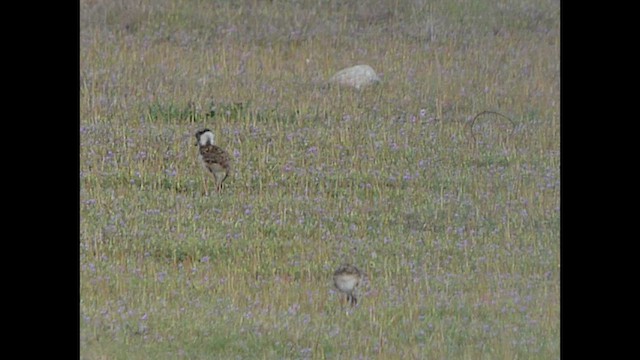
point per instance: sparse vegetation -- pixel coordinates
(458, 235)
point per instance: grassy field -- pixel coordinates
(455, 223)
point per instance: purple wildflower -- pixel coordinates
(161, 276)
(312, 150)
(293, 309)
(141, 155)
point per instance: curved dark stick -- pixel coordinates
(472, 122)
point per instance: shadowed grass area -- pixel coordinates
(454, 223)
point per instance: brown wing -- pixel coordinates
(215, 158)
(348, 270)
(212, 154)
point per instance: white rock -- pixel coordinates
(357, 76)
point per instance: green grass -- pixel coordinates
(458, 234)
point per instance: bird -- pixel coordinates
(346, 278)
(215, 159)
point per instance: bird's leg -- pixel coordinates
(204, 185)
(218, 184)
(221, 181)
(352, 299)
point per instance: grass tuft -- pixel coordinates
(453, 217)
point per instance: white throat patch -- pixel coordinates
(206, 138)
